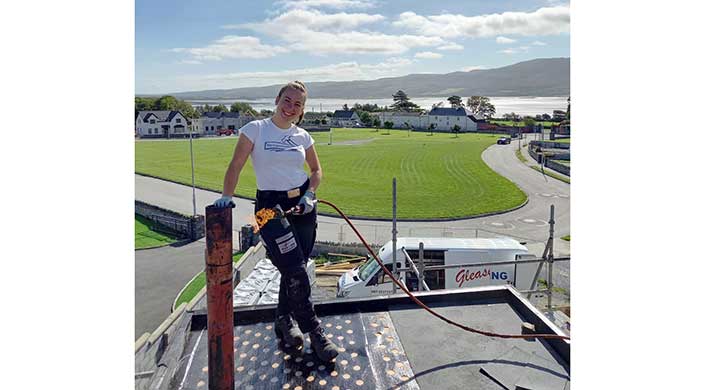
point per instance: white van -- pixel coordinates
(369, 280)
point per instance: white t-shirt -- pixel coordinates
(278, 155)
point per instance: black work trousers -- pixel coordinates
(289, 243)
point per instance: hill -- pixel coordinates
(538, 77)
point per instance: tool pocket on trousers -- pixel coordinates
(286, 243)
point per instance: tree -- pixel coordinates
(480, 105)
(220, 108)
(166, 103)
(456, 130)
(366, 107)
(437, 105)
(187, 109)
(266, 112)
(431, 127)
(345, 107)
(365, 117)
(388, 124)
(402, 102)
(376, 123)
(144, 104)
(529, 122)
(455, 101)
(243, 108)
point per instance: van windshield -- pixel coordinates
(369, 268)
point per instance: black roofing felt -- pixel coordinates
(389, 342)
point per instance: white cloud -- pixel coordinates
(233, 46)
(344, 71)
(544, 21)
(471, 68)
(302, 20)
(538, 43)
(508, 51)
(428, 55)
(504, 40)
(190, 62)
(450, 46)
(337, 4)
(515, 50)
(319, 34)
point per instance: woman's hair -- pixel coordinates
(299, 86)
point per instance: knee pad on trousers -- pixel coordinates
(298, 289)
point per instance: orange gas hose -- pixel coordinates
(418, 302)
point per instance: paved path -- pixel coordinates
(160, 274)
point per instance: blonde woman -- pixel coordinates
(279, 148)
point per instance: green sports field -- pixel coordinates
(438, 176)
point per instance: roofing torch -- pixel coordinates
(264, 215)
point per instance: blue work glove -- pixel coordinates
(224, 201)
(306, 203)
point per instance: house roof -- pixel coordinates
(448, 111)
(218, 115)
(341, 114)
(405, 113)
(160, 116)
(314, 115)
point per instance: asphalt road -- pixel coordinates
(161, 273)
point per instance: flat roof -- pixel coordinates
(435, 243)
(388, 343)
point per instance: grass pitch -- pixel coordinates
(438, 176)
(147, 238)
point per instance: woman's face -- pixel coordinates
(290, 105)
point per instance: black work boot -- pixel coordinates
(324, 348)
(286, 330)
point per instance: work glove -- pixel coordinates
(306, 203)
(224, 201)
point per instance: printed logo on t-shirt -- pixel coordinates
(285, 145)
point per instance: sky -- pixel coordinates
(189, 45)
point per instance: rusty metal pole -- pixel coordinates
(219, 291)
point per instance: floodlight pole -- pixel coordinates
(193, 180)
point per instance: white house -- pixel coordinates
(210, 122)
(345, 118)
(166, 124)
(403, 119)
(445, 118)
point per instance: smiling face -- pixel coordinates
(290, 105)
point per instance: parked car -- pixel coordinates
(224, 132)
(504, 141)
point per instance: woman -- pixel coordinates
(279, 148)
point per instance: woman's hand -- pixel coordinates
(307, 202)
(224, 201)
